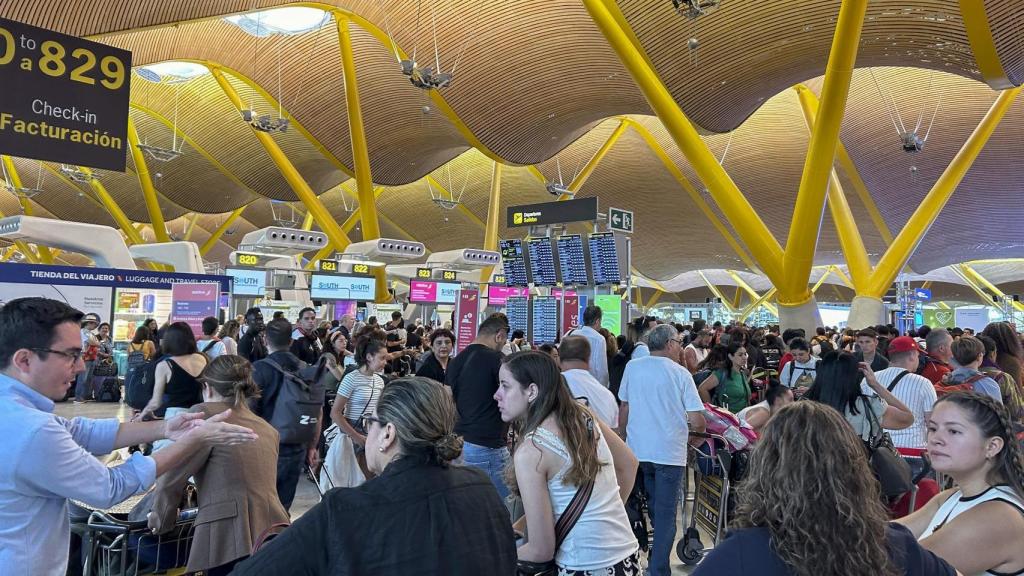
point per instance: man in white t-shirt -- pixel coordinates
(598, 345)
(209, 344)
(574, 353)
(660, 406)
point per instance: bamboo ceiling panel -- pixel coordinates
(1006, 18)
(982, 218)
(749, 51)
(62, 198)
(207, 116)
(410, 207)
(574, 157)
(191, 180)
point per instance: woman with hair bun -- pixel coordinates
(420, 515)
(237, 485)
(810, 506)
(978, 526)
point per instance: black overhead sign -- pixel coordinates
(63, 98)
(582, 210)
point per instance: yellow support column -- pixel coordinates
(718, 293)
(115, 211)
(588, 169)
(215, 236)
(360, 150)
(742, 284)
(737, 210)
(806, 222)
(146, 183)
(307, 222)
(983, 46)
(45, 255)
(746, 312)
(288, 171)
(654, 298)
(985, 297)
(493, 221)
(979, 279)
(849, 235)
(191, 226)
(737, 297)
(906, 241)
(828, 272)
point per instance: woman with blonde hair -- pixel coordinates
(229, 336)
(237, 485)
(568, 466)
(419, 515)
(810, 506)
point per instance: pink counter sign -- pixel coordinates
(420, 291)
(190, 303)
(467, 314)
(498, 295)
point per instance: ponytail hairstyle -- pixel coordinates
(994, 421)
(367, 347)
(553, 396)
(231, 377)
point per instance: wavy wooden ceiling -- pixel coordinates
(538, 80)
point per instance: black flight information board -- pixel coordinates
(513, 262)
(542, 262)
(517, 309)
(604, 259)
(545, 320)
(571, 260)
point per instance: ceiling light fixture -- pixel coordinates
(694, 9)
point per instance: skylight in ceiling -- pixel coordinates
(292, 20)
(171, 72)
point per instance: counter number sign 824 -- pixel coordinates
(65, 98)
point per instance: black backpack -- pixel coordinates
(618, 367)
(138, 383)
(110, 390)
(298, 404)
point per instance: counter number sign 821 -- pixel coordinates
(65, 98)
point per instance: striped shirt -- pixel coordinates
(918, 393)
(362, 393)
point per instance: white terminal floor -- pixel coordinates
(306, 496)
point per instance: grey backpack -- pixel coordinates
(298, 406)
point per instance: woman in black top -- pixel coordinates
(810, 506)
(420, 516)
(442, 342)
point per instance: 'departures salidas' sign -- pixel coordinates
(62, 98)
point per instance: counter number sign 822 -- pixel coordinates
(65, 98)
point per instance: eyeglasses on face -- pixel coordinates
(73, 356)
(366, 420)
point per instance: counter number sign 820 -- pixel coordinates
(55, 60)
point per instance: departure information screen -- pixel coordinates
(571, 260)
(514, 262)
(545, 320)
(518, 311)
(604, 259)
(542, 262)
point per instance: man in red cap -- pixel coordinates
(916, 391)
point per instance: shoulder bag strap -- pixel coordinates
(896, 380)
(876, 426)
(572, 513)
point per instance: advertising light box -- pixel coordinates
(497, 295)
(248, 282)
(423, 292)
(338, 287)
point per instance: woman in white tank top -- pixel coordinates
(977, 527)
(560, 447)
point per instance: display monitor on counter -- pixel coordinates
(341, 287)
(248, 281)
(497, 294)
(429, 292)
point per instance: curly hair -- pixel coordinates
(816, 495)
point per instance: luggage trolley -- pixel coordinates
(120, 547)
(710, 503)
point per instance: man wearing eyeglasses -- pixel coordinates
(49, 458)
(660, 408)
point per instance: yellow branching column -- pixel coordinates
(45, 255)
(146, 183)
(493, 221)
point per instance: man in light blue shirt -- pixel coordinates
(49, 458)
(598, 345)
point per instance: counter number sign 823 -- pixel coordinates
(65, 99)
